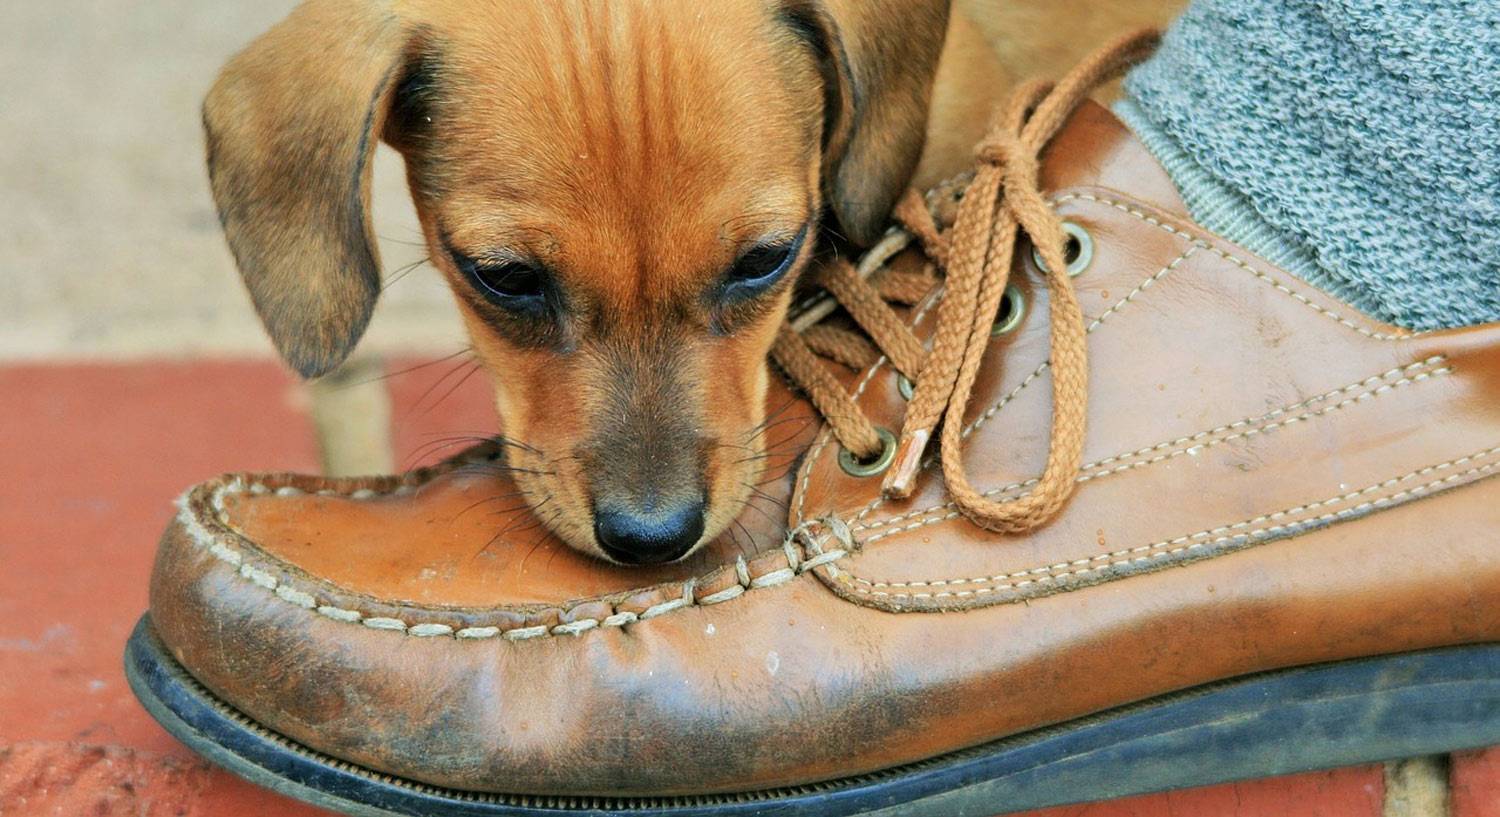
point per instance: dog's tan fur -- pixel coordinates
(632, 149)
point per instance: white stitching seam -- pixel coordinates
(225, 552)
(1239, 262)
(1167, 547)
(1193, 443)
(1048, 573)
(1089, 330)
(1197, 242)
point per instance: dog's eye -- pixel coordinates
(762, 266)
(512, 284)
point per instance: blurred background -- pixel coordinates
(111, 244)
(131, 366)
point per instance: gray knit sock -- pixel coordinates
(1355, 143)
(1226, 212)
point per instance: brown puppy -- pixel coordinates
(621, 194)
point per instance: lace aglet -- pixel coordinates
(901, 480)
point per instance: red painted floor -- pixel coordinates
(94, 456)
(1475, 781)
(1355, 792)
(437, 408)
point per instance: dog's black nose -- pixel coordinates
(649, 538)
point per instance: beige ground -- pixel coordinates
(109, 245)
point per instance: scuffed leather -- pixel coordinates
(1320, 481)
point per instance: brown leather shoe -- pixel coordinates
(1274, 549)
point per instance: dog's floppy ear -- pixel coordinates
(292, 125)
(878, 59)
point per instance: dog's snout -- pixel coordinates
(635, 537)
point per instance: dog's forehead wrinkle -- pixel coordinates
(629, 97)
(647, 139)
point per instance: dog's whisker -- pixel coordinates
(749, 537)
(422, 452)
(783, 421)
(546, 531)
(402, 272)
(781, 477)
(831, 229)
(435, 384)
(409, 369)
(511, 442)
(503, 469)
(775, 514)
(426, 449)
(487, 500)
(510, 510)
(464, 466)
(784, 447)
(476, 367)
(770, 458)
(531, 524)
(523, 507)
(545, 524)
(751, 506)
(494, 439)
(735, 540)
(773, 415)
(521, 524)
(790, 450)
(758, 493)
(417, 239)
(443, 443)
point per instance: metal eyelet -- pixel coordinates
(1012, 309)
(877, 465)
(905, 386)
(1078, 251)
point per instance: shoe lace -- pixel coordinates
(1002, 199)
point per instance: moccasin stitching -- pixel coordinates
(1245, 531)
(205, 503)
(1193, 443)
(1196, 241)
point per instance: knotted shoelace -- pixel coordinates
(1002, 199)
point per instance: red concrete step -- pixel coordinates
(1352, 792)
(93, 457)
(1475, 780)
(438, 407)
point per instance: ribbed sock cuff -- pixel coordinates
(1227, 213)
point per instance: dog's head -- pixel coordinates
(620, 193)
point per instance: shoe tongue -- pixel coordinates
(1095, 149)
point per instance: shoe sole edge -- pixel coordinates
(1280, 722)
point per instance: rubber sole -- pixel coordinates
(1281, 722)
